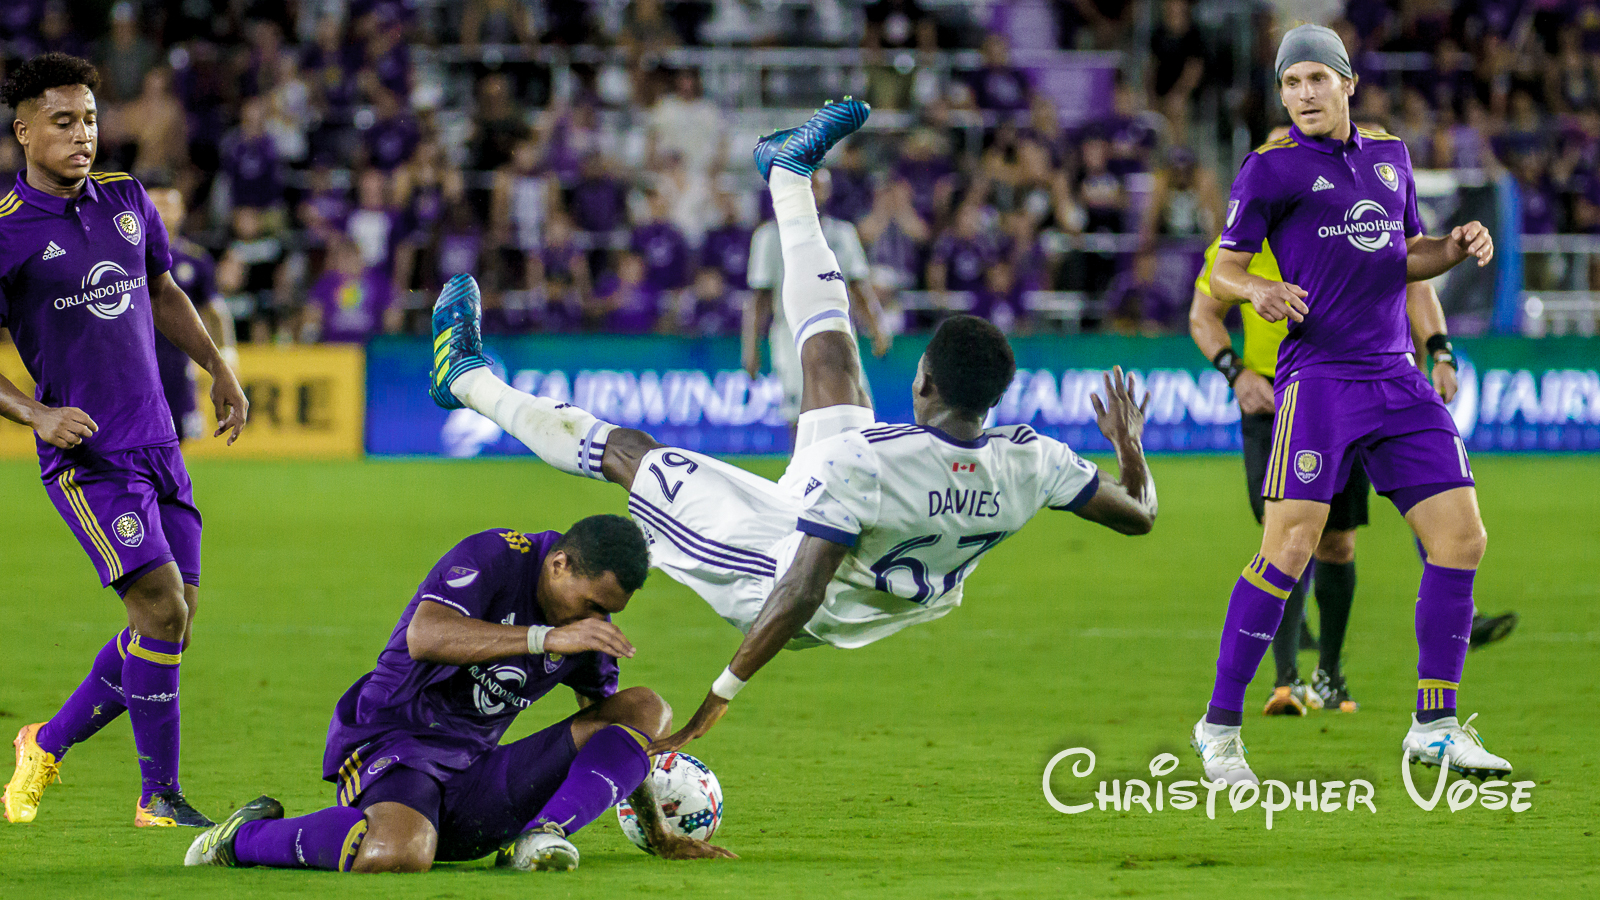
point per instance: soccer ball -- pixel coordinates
(690, 798)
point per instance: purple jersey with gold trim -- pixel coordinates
(1337, 215)
(74, 291)
(460, 712)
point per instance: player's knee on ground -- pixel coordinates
(1337, 547)
(156, 606)
(624, 449)
(398, 839)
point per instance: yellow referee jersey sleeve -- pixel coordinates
(1261, 338)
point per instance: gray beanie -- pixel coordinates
(1313, 43)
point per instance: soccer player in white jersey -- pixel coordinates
(873, 527)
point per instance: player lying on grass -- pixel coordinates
(414, 747)
(874, 527)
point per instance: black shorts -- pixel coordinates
(1347, 509)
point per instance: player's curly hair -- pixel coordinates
(601, 544)
(43, 72)
(971, 363)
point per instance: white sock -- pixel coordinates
(814, 294)
(1211, 730)
(561, 434)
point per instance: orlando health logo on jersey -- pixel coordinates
(107, 290)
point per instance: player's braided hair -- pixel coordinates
(971, 363)
(601, 544)
(43, 72)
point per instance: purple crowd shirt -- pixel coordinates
(966, 260)
(1338, 216)
(352, 307)
(666, 255)
(252, 167)
(74, 292)
(461, 712)
(727, 249)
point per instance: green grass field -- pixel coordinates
(907, 769)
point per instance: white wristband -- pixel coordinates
(727, 684)
(536, 636)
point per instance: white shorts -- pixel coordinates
(720, 531)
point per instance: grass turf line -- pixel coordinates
(908, 769)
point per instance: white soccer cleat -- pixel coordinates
(1430, 743)
(1222, 750)
(544, 849)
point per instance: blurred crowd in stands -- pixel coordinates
(342, 158)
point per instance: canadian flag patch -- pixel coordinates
(963, 467)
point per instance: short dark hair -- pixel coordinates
(46, 71)
(601, 544)
(971, 363)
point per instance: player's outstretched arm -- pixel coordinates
(665, 842)
(64, 427)
(439, 634)
(175, 317)
(1430, 257)
(1127, 504)
(1231, 282)
(792, 603)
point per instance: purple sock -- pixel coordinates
(327, 839)
(1444, 630)
(96, 702)
(608, 768)
(1254, 611)
(150, 685)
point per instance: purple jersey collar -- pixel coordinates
(50, 203)
(1326, 144)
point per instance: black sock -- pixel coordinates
(1286, 643)
(1336, 591)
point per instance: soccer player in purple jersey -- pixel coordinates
(414, 747)
(1339, 207)
(196, 273)
(84, 286)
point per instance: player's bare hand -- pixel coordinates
(65, 427)
(233, 408)
(712, 709)
(1279, 300)
(1255, 394)
(1444, 381)
(672, 845)
(1473, 239)
(881, 342)
(1120, 418)
(589, 634)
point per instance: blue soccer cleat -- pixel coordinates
(800, 150)
(457, 343)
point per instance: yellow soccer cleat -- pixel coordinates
(36, 770)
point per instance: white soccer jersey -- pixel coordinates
(919, 509)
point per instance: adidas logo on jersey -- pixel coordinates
(1321, 184)
(811, 486)
(53, 251)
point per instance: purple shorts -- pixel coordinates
(1399, 427)
(133, 511)
(475, 811)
